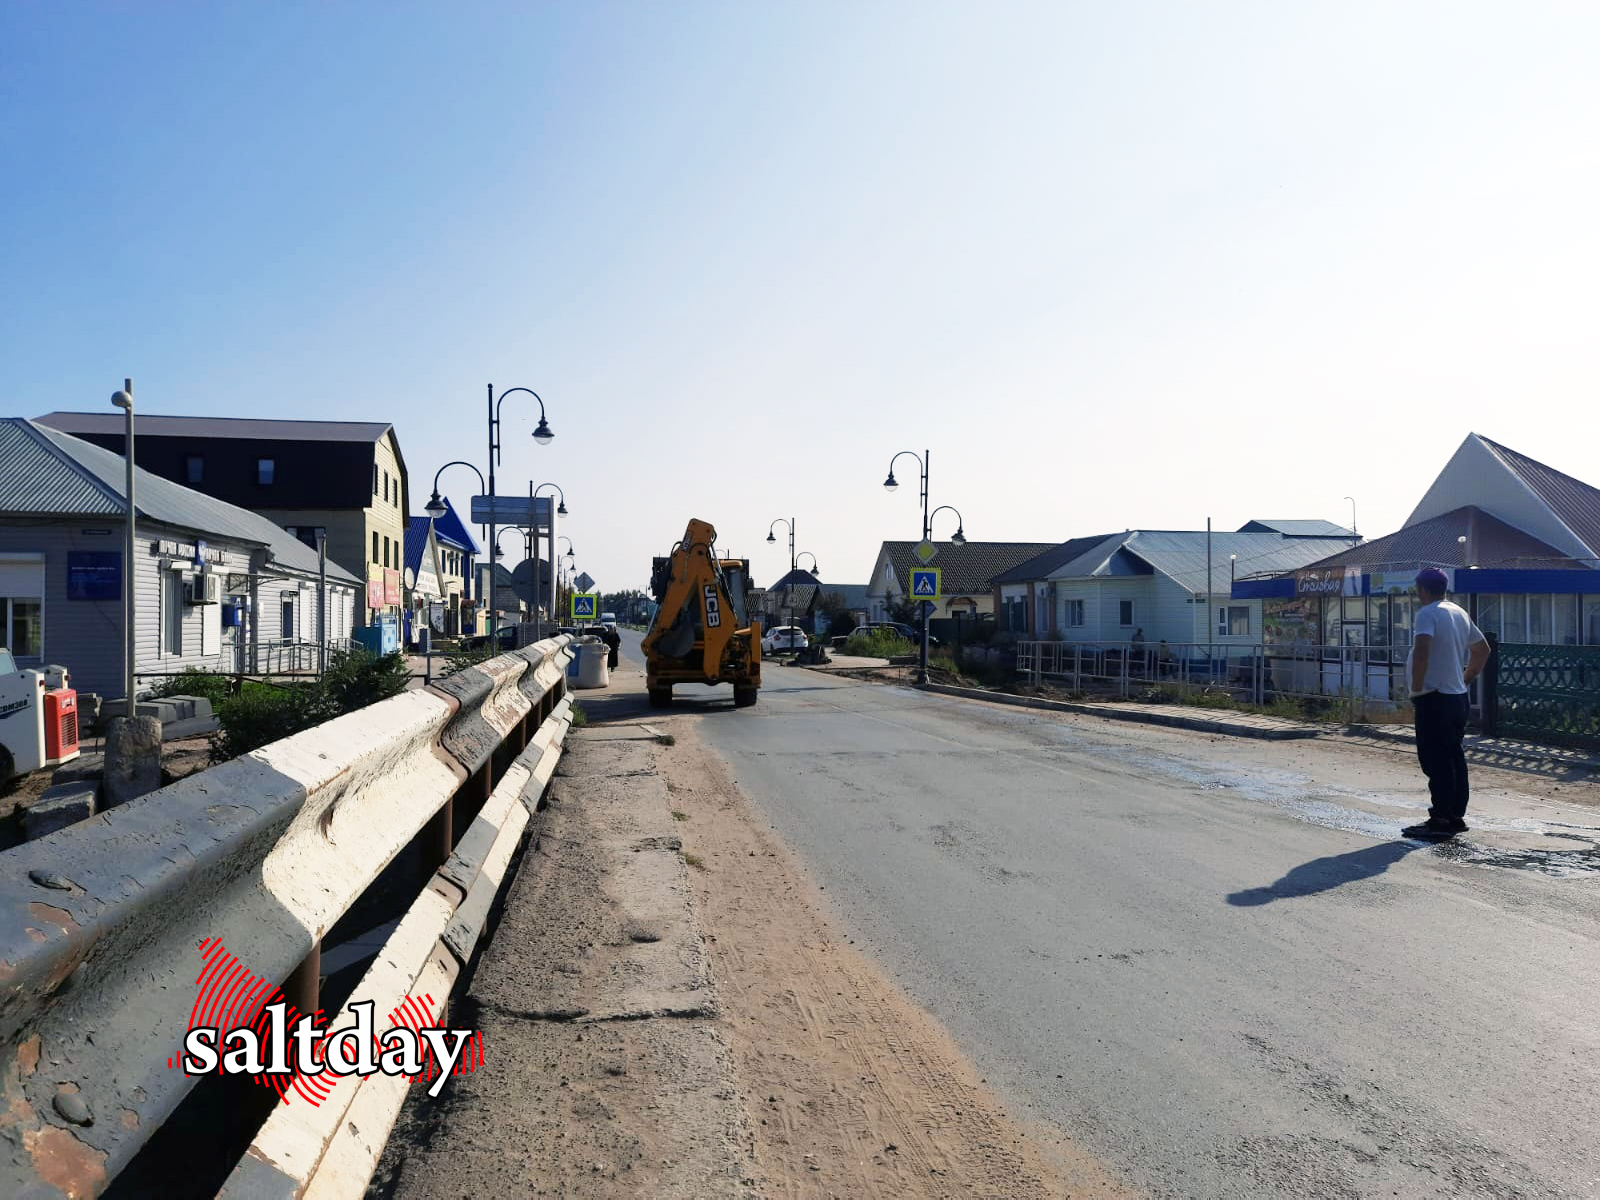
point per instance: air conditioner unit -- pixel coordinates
(202, 589)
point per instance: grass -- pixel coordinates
(579, 718)
(694, 860)
(666, 739)
(679, 816)
(877, 643)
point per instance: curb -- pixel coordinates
(1111, 712)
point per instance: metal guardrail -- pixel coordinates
(98, 959)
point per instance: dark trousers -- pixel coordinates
(1441, 722)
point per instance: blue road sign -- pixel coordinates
(925, 583)
(585, 606)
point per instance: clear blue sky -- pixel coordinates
(1116, 265)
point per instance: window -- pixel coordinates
(307, 534)
(1513, 618)
(194, 468)
(265, 468)
(1075, 614)
(1591, 620)
(386, 552)
(374, 547)
(386, 487)
(1125, 612)
(1488, 618)
(374, 479)
(1564, 631)
(22, 604)
(172, 613)
(1539, 620)
(288, 618)
(1233, 620)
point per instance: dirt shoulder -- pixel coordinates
(851, 1089)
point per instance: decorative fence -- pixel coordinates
(1548, 694)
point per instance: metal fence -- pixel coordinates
(1548, 693)
(288, 656)
(1362, 679)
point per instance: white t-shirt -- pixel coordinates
(1452, 633)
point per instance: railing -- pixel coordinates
(262, 855)
(1549, 693)
(1358, 678)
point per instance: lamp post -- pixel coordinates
(1355, 538)
(561, 511)
(889, 485)
(124, 401)
(541, 434)
(789, 591)
(436, 508)
(566, 571)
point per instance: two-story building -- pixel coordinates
(346, 479)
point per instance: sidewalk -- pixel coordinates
(603, 1073)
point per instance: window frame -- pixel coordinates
(266, 471)
(1128, 606)
(1225, 618)
(194, 469)
(1080, 612)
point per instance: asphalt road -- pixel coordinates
(1209, 961)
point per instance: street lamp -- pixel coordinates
(561, 511)
(1233, 561)
(959, 539)
(815, 569)
(1355, 539)
(124, 401)
(541, 434)
(789, 591)
(436, 508)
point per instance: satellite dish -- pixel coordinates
(410, 578)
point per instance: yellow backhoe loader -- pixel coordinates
(702, 632)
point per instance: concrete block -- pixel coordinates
(59, 806)
(88, 765)
(133, 760)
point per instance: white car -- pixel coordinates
(784, 637)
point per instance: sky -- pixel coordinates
(1112, 266)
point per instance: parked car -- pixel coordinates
(784, 637)
(505, 637)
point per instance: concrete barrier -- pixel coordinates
(100, 921)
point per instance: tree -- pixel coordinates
(906, 610)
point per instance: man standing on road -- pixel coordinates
(1447, 653)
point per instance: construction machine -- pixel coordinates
(704, 630)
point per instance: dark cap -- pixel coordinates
(1432, 579)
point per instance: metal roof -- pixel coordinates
(1573, 501)
(46, 473)
(254, 428)
(1297, 528)
(1436, 541)
(1181, 555)
(1041, 565)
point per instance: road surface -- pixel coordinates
(1209, 961)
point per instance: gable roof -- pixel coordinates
(46, 473)
(250, 428)
(854, 595)
(1295, 528)
(1181, 556)
(965, 570)
(1434, 541)
(1576, 503)
(1040, 565)
(451, 527)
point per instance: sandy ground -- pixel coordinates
(852, 1090)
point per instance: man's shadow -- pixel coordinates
(1325, 874)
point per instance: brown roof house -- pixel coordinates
(967, 574)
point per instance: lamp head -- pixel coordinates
(542, 434)
(770, 538)
(561, 509)
(959, 538)
(435, 506)
(889, 484)
(122, 400)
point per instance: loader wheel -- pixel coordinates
(661, 697)
(744, 697)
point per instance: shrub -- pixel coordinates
(194, 682)
(878, 643)
(357, 678)
(262, 716)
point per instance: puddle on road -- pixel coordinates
(1553, 848)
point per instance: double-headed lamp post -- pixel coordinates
(959, 539)
(541, 434)
(561, 511)
(571, 562)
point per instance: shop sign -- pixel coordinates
(94, 575)
(391, 586)
(374, 593)
(195, 552)
(1331, 581)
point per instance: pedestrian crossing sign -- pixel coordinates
(925, 583)
(585, 606)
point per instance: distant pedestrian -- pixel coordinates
(1164, 657)
(1447, 653)
(1138, 640)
